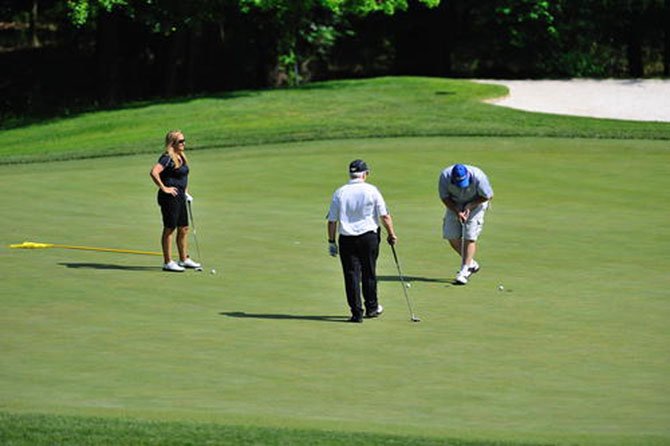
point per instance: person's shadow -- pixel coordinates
(276, 316)
(109, 266)
(410, 279)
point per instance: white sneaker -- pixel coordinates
(462, 276)
(189, 263)
(474, 267)
(375, 313)
(173, 267)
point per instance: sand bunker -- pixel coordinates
(635, 99)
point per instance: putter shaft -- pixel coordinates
(404, 287)
(194, 232)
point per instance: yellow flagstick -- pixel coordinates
(36, 245)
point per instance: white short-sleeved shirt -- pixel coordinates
(357, 206)
(479, 186)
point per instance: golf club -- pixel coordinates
(404, 286)
(462, 243)
(195, 236)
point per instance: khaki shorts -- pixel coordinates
(451, 226)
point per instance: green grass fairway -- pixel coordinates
(574, 351)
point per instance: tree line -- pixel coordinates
(66, 55)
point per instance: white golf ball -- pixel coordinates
(501, 287)
(213, 271)
(408, 285)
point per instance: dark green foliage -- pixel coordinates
(37, 430)
(68, 56)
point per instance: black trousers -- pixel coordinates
(358, 255)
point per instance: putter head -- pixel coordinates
(199, 269)
(415, 319)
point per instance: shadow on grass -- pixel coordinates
(109, 266)
(410, 279)
(274, 316)
(68, 111)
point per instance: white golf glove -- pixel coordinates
(189, 198)
(332, 249)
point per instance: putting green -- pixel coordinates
(574, 349)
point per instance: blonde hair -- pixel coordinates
(170, 141)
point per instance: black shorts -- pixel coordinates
(173, 210)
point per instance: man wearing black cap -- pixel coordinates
(357, 207)
(466, 192)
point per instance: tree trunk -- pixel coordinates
(634, 54)
(194, 53)
(450, 21)
(666, 31)
(109, 81)
(175, 63)
(634, 47)
(34, 39)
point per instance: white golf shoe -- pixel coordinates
(173, 267)
(474, 267)
(189, 263)
(463, 275)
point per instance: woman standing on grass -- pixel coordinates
(171, 176)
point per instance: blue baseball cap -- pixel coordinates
(358, 166)
(460, 176)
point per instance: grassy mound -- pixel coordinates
(382, 107)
